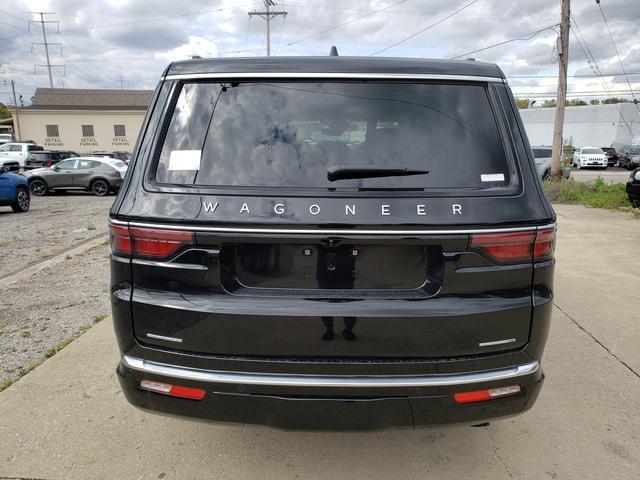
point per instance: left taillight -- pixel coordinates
(152, 243)
(514, 247)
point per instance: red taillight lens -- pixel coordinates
(172, 390)
(488, 394)
(157, 243)
(545, 243)
(516, 247)
(120, 240)
(48, 163)
(505, 247)
(148, 242)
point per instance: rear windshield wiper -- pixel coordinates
(338, 172)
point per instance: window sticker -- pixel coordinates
(492, 177)
(184, 160)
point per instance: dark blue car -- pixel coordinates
(14, 190)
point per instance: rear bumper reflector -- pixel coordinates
(172, 390)
(360, 381)
(487, 394)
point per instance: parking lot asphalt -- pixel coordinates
(68, 418)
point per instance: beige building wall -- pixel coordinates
(33, 126)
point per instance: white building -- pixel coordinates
(597, 125)
(83, 120)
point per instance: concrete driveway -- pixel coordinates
(68, 419)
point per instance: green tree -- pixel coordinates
(611, 100)
(4, 111)
(576, 102)
(594, 101)
(523, 103)
(548, 104)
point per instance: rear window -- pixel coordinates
(290, 134)
(541, 153)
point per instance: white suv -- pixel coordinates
(589, 157)
(18, 151)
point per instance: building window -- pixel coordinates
(87, 131)
(52, 131)
(119, 131)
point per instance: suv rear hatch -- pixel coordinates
(254, 250)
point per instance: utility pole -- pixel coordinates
(46, 44)
(563, 62)
(15, 106)
(267, 15)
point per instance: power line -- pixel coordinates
(617, 54)
(345, 23)
(572, 76)
(424, 29)
(267, 15)
(525, 38)
(593, 64)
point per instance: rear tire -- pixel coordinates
(38, 187)
(22, 201)
(100, 188)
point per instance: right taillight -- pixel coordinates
(153, 243)
(545, 243)
(516, 247)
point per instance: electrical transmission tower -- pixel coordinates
(46, 44)
(267, 15)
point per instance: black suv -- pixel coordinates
(287, 249)
(46, 158)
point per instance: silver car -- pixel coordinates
(542, 157)
(97, 175)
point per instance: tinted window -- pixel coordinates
(289, 134)
(591, 151)
(40, 156)
(542, 153)
(31, 148)
(16, 148)
(84, 164)
(66, 165)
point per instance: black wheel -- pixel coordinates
(546, 176)
(100, 188)
(635, 202)
(22, 201)
(38, 187)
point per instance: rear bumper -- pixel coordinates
(310, 402)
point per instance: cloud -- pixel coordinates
(106, 39)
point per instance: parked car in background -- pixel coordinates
(124, 156)
(46, 158)
(18, 151)
(6, 138)
(633, 188)
(542, 157)
(10, 165)
(629, 156)
(611, 154)
(590, 157)
(98, 175)
(14, 191)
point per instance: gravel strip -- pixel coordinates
(54, 223)
(54, 306)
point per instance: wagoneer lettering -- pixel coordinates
(338, 243)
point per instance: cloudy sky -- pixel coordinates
(128, 43)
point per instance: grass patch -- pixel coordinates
(6, 383)
(25, 334)
(91, 226)
(31, 366)
(99, 318)
(598, 194)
